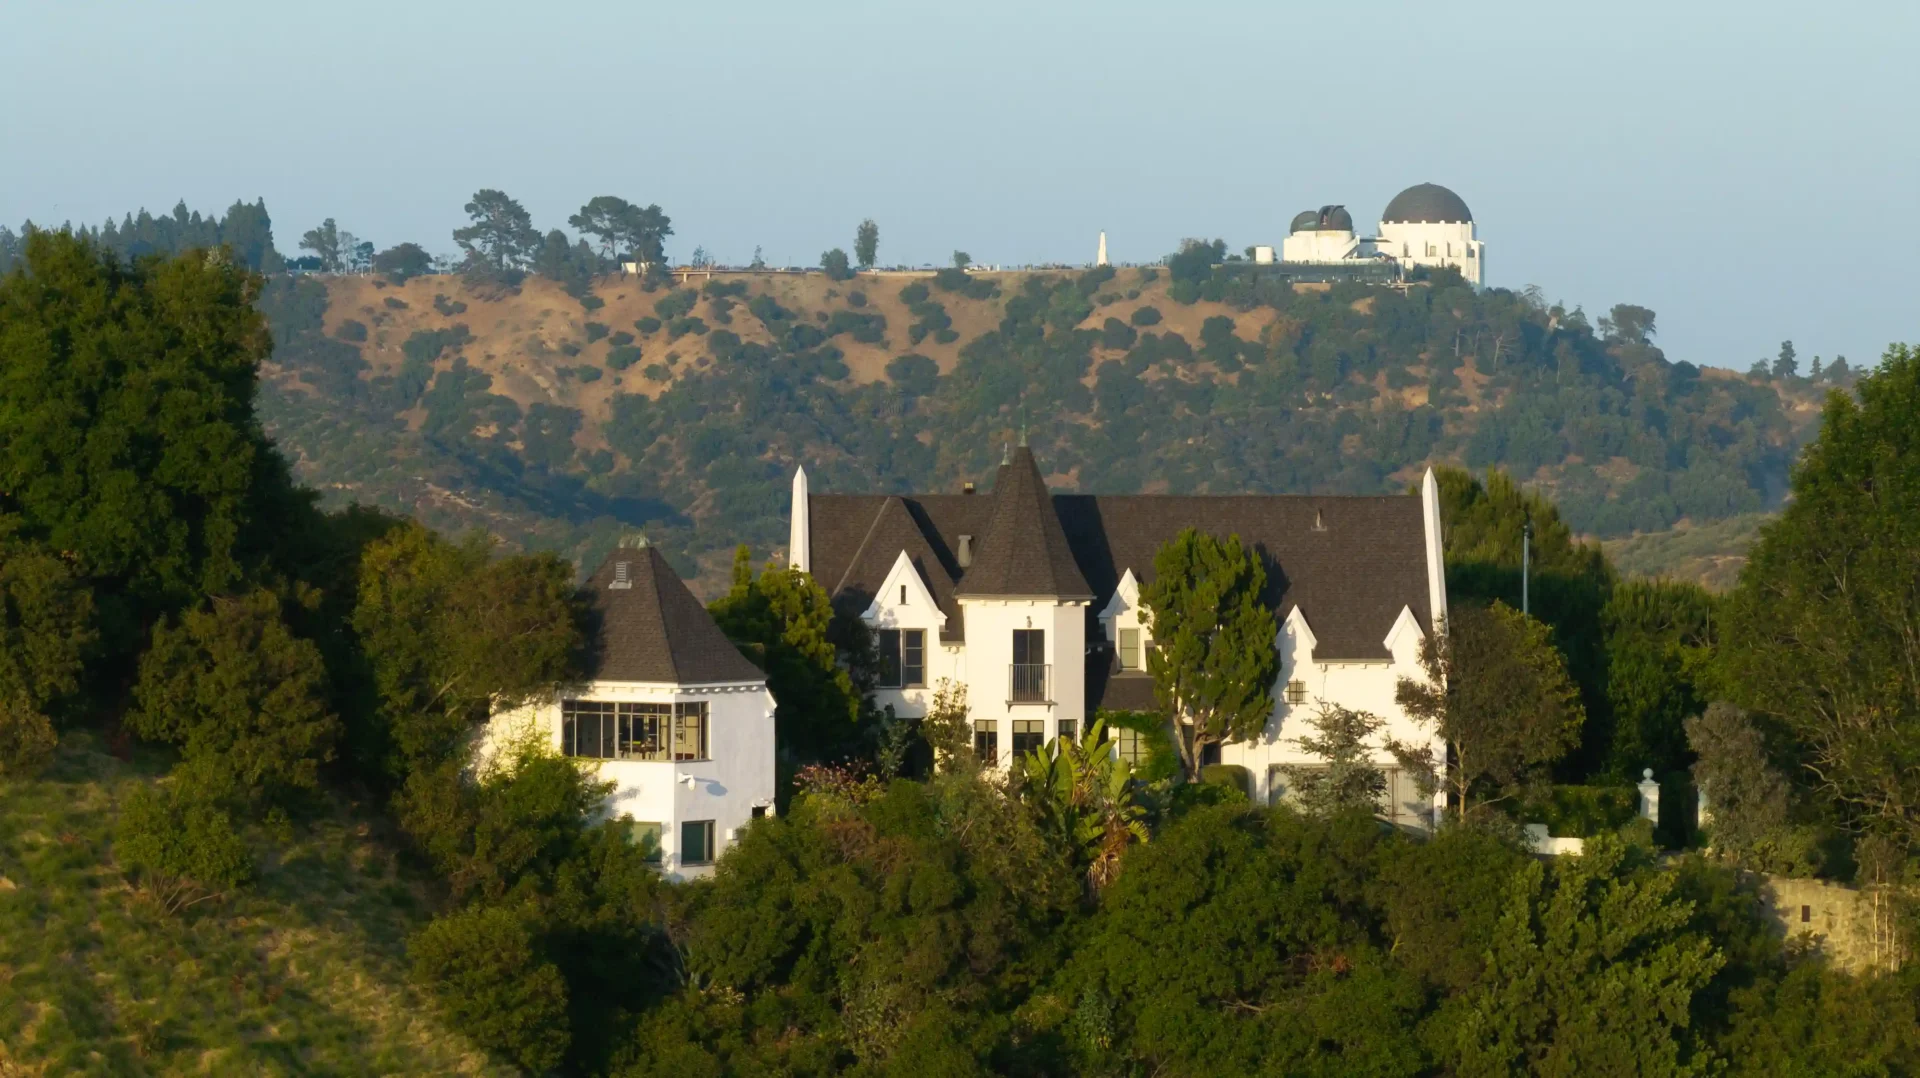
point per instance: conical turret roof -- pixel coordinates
(1024, 551)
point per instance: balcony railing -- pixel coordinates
(1027, 683)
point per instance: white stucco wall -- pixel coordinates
(736, 778)
(1435, 245)
(1319, 246)
(1359, 686)
(989, 658)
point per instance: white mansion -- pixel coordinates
(1424, 225)
(1031, 601)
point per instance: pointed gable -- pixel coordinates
(1024, 551)
(649, 627)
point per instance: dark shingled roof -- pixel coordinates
(654, 629)
(1023, 551)
(1349, 563)
(1427, 203)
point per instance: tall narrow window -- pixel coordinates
(903, 595)
(1069, 730)
(1127, 744)
(696, 842)
(644, 731)
(1028, 676)
(986, 742)
(1028, 735)
(690, 730)
(888, 643)
(913, 657)
(1129, 649)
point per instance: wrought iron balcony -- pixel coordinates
(1027, 683)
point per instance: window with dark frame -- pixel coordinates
(903, 658)
(1127, 744)
(1027, 678)
(913, 657)
(1069, 730)
(696, 842)
(690, 730)
(605, 730)
(1129, 649)
(986, 742)
(1028, 735)
(1296, 692)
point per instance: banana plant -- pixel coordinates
(1085, 798)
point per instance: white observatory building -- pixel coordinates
(1424, 225)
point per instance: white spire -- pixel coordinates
(1436, 551)
(1101, 259)
(799, 531)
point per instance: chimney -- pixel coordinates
(967, 487)
(965, 555)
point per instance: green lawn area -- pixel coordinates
(304, 972)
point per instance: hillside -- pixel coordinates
(557, 422)
(302, 973)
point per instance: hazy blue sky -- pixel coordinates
(1749, 170)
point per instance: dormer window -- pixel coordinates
(1128, 649)
(965, 554)
(622, 574)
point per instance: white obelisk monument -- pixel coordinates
(1101, 258)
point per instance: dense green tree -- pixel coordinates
(892, 928)
(483, 969)
(783, 619)
(1498, 693)
(127, 433)
(403, 262)
(1659, 647)
(1213, 660)
(1568, 588)
(452, 633)
(625, 231)
(46, 626)
(836, 264)
(326, 245)
(1822, 633)
(866, 243)
(1443, 900)
(1746, 796)
(1349, 780)
(1192, 968)
(244, 698)
(1590, 972)
(1786, 364)
(501, 240)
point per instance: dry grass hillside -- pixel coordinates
(681, 409)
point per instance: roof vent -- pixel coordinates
(622, 575)
(967, 487)
(966, 549)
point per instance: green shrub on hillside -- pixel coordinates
(481, 967)
(675, 304)
(619, 338)
(622, 356)
(352, 331)
(648, 325)
(657, 372)
(680, 327)
(595, 331)
(1145, 316)
(182, 845)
